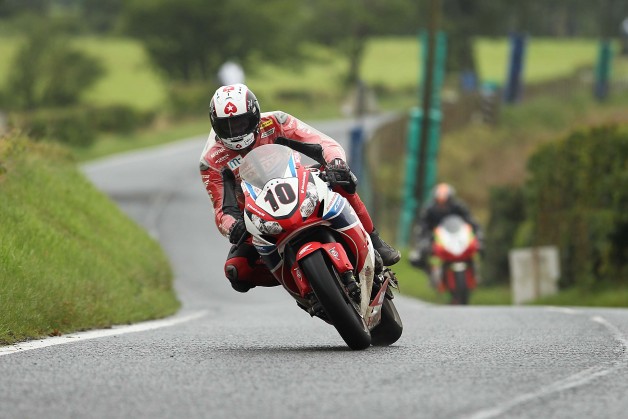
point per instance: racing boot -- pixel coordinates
(379, 263)
(389, 255)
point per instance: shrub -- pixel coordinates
(186, 99)
(48, 72)
(79, 126)
(577, 199)
(70, 126)
(119, 118)
(507, 212)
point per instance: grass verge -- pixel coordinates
(603, 295)
(109, 144)
(69, 258)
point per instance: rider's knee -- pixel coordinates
(236, 278)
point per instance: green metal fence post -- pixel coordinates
(409, 204)
(603, 70)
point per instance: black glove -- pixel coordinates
(338, 173)
(237, 231)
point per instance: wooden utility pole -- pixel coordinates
(433, 25)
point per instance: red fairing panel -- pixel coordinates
(443, 254)
(336, 254)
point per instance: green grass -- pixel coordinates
(390, 62)
(130, 77)
(111, 144)
(546, 59)
(313, 92)
(605, 295)
(69, 258)
(8, 47)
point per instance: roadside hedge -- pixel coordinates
(79, 126)
(577, 199)
(507, 208)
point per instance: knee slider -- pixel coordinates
(231, 272)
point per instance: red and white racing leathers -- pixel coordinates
(216, 156)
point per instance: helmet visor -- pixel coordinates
(235, 127)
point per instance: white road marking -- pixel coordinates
(575, 380)
(563, 310)
(615, 332)
(95, 334)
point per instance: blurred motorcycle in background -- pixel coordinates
(455, 246)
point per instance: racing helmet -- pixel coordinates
(234, 114)
(442, 193)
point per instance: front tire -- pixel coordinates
(325, 283)
(461, 293)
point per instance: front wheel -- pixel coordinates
(325, 283)
(460, 295)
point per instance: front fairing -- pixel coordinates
(454, 240)
(282, 196)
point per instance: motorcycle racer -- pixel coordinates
(444, 203)
(238, 126)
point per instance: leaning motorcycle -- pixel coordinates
(314, 244)
(455, 246)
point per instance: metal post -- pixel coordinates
(602, 71)
(409, 202)
(435, 118)
(356, 150)
(434, 20)
(513, 90)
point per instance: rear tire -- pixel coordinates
(389, 330)
(325, 282)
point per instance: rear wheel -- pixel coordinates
(388, 331)
(325, 282)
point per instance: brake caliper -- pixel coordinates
(353, 288)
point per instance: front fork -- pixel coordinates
(335, 253)
(382, 289)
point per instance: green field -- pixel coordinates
(389, 62)
(130, 78)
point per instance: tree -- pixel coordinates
(99, 15)
(190, 39)
(10, 8)
(347, 25)
(461, 16)
(47, 71)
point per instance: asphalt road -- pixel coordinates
(256, 355)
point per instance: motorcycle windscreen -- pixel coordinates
(454, 236)
(266, 162)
